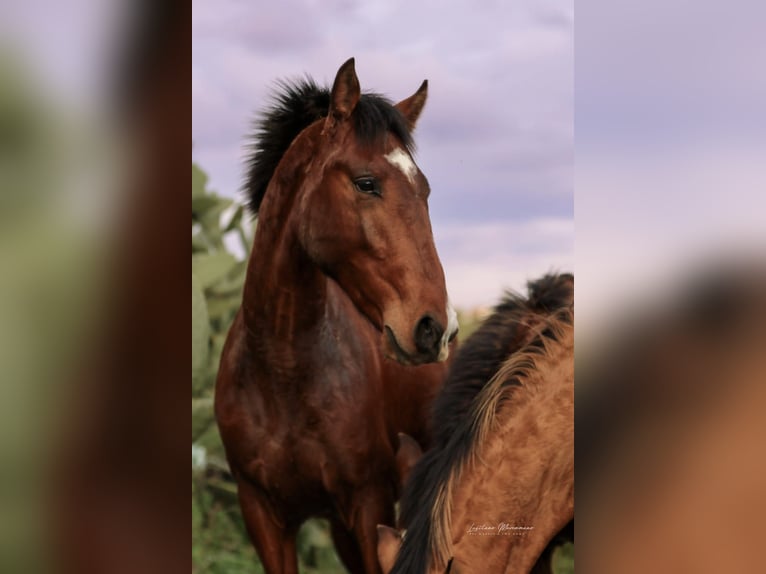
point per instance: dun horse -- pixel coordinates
(345, 323)
(499, 483)
(670, 419)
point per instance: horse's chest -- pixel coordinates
(312, 457)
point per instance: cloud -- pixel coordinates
(495, 139)
(268, 28)
(643, 220)
(669, 78)
(481, 261)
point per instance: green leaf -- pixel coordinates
(210, 220)
(211, 441)
(211, 268)
(210, 216)
(199, 243)
(203, 204)
(563, 559)
(224, 308)
(202, 416)
(235, 220)
(199, 181)
(316, 533)
(200, 331)
(234, 281)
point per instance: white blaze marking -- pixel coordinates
(401, 159)
(452, 327)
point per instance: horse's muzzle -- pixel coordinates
(428, 336)
(427, 351)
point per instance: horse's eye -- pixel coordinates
(368, 185)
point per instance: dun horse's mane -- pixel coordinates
(295, 105)
(488, 368)
(514, 374)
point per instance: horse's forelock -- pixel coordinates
(297, 104)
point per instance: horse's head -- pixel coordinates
(364, 219)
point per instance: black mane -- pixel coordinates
(480, 356)
(295, 105)
(477, 361)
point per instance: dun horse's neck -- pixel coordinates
(526, 461)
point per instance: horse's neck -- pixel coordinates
(526, 462)
(285, 294)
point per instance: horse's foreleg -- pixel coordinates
(372, 506)
(347, 548)
(275, 543)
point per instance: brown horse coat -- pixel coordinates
(343, 318)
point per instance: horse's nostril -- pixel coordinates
(428, 335)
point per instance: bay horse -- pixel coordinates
(497, 488)
(345, 325)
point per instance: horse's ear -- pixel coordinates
(411, 107)
(407, 456)
(389, 542)
(345, 95)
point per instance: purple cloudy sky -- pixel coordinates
(496, 137)
(671, 141)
